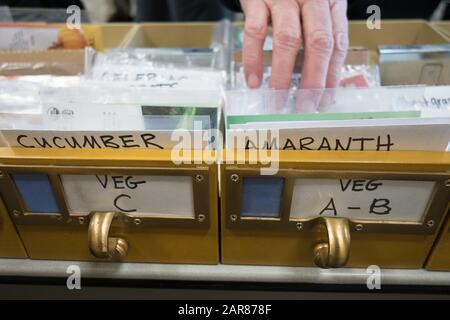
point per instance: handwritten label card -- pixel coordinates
(362, 199)
(405, 135)
(139, 195)
(151, 77)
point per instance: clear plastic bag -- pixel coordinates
(378, 99)
(223, 39)
(360, 76)
(382, 119)
(19, 97)
(98, 114)
(47, 15)
(188, 69)
(5, 14)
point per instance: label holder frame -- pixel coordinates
(432, 217)
(18, 211)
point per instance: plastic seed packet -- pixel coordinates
(47, 80)
(169, 68)
(380, 119)
(102, 115)
(360, 76)
(188, 69)
(35, 37)
(163, 57)
(19, 97)
(355, 76)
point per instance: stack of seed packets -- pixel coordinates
(381, 119)
(187, 69)
(103, 115)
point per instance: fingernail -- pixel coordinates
(253, 81)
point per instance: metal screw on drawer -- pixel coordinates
(201, 217)
(81, 220)
(234, 177)
(137, 221)
(1, 174)
(430, 223)
(233, 218)
(199, 178)
(359, 227)
(447, 183)
(16, 213)
(299, 226)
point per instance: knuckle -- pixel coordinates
(321, 42)
(287, 39)
(256, 30)
(251, 59)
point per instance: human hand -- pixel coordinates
(320, 25)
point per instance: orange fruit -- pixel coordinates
(71, 39)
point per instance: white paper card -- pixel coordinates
(386, 200)
(163, 139)
(140, 195)
(379, 137)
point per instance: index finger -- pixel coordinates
(255, 32)
(286, 42)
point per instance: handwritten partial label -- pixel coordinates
(363, 199)
(27, 38)
(139, 195)
(152, 77)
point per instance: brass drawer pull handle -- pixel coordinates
(333, 248)
(100, 244)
